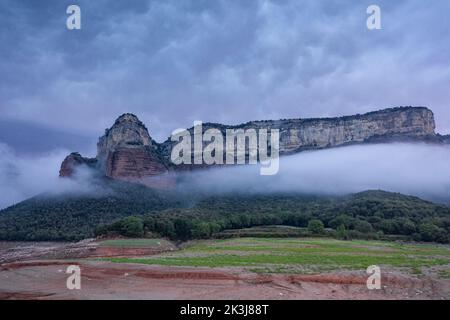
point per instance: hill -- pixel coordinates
(74, 216)
(134, 210)
(368, 215)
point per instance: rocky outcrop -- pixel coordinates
(129, 132)
(74, 161)
(296, 135)
(397, 124)
(127, 152)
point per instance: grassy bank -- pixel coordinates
(302, 254)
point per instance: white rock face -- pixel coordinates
(391, 124)
(397, 124)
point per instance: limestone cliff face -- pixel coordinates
(385, 125)
(296, 135)
(127, 152)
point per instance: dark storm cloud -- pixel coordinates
(173, 62)
(30, 139)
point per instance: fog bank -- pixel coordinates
(414, 169)
(24, 176)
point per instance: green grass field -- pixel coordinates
(134, 243)
(290, 255)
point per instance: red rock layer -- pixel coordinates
(138, 165)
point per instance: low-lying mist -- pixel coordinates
(415, 169)
(22, 177)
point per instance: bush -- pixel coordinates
(341, 233)
(183, 228)
(431, 232)
(428, 231)
(132, 227)
(363, 226)
(315, 226)
(201, 230)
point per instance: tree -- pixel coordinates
(183, 228)
(342, 219)
(132, 227)
(201, 230)
(431, 232)
(363, 226)
(405, 226)
(315, 226)
(341, 232)
(387, 226)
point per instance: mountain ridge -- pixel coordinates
(127, 152)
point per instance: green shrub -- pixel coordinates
(363, 226)
(316, 226)
(341, 232)
(132, 227)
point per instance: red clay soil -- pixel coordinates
(106, 280)
(199, 275)
(124, 252)
(19, 265)
(23, 296)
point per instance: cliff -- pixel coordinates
(127, 152)
(395, 124)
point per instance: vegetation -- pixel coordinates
(75, 216)
(134, 243)
(315, 226)
(131, 210)
(305, 255)
(367, 215)
(268, 232)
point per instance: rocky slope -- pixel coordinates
(127, 152)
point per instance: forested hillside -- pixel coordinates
(134, 210)
(370, 214)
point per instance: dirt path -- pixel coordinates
(105, 280)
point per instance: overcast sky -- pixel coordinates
(173, 62)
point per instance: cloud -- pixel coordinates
(22, 177)
(413, 169)
(173, 62)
